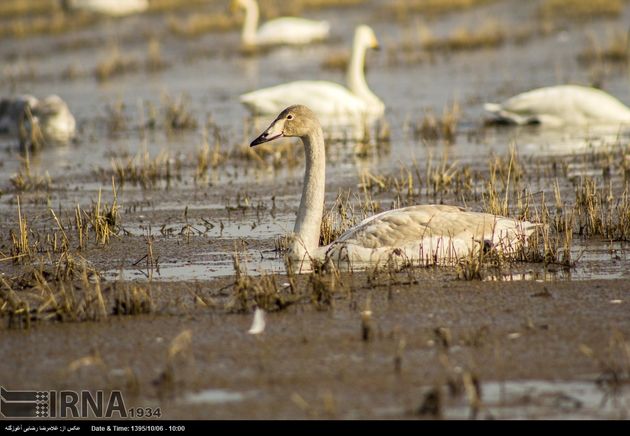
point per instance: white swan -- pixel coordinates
(326, 99)
(427, 233)
(36, 123)
(285, 30)
(114, 8)
(55, 120)
(560, 105)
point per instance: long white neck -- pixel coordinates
(355, 76)
(251, 22)
(309, 218)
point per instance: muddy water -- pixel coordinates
(533, 321)
(534, 348)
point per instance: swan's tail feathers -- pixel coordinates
(504, 116)
(246, 98)
(250, 101)
(494, 108)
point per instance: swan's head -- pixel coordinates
(239, 4)
(52, 105)
(364, 35)
(295, 120)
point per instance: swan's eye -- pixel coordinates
(290, 117)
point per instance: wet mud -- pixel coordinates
(195, 244)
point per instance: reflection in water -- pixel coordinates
(534, 399)
(214, 396)
(228, 229)
(541, 399)
(209, 266)
(599, 260)
(594, 260)
(539, 141)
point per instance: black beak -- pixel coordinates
(266, 136)
(262, 138)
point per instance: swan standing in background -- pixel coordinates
(326, 99)
(114, 8)
(560, 105)
(285, 30)
(427, 233)
(36, 123)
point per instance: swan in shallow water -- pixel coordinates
(55, 120)
(328, 100)
(561, 105)
(285, 30)
(13, 111)
(428, 234)
(114, 8)
(36, 123)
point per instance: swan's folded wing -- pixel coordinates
(292, 30)
(415, 224)
(395, 228)
(565, 104)
(321, 97)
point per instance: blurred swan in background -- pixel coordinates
(55, 119)
(560, 105)
(114, 8)
(36, 123)
(13, 110)
(285, 30)
(326, 99)
(430, 234)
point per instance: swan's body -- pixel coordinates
(430, 234)
(285, 30)
(55, 120)
(13, 112)
(560, 105)
(37, 122)
(323, 97)
(114, 8)
(326, 99)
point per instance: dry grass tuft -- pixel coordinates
(132, 300)
(420, 44)
(177, 113)
(114, 64)
(13, 8)
(261, 292)
(145, 170)
(52, 23)
(402, 9)
(197, 24)
(615, 50)
(167, 5)
(432, 128)
(154, 60)
(72, 292)
(314, 4)
(489, 34)
(25, 180)
(336, 60)
(579, 9)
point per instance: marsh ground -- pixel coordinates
(523, 339)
